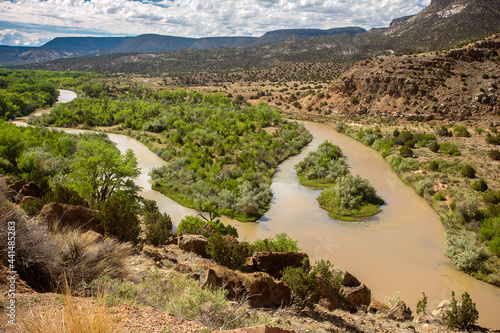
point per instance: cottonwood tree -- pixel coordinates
(99, 170)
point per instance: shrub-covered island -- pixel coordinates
(347, 197)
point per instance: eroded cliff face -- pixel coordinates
(457, 84)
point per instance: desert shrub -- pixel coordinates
(465, 251)
(228, 251)
(394, 299)
(86, 258)
(439, 197)
(443, 131)
(492, 197)
(197, 226)
(449, 148)
(64, 195)
(468, 171)
(434, 147)
(340, 127)
(425, 186)
(422, 305)
(405, 151)
(461, 316)
(35, 259)
(118, 218)
(158, 227)
(480, 185)
(461, 131)
(494, 154)
(493, 139)
(490, 232)
(31, 207)
(325, 268)
(279, 243)
(304, 286)
(353, 191)
(465, 210)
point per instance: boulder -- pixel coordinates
(358, 296)
(274, 262)
(260, 288)
(400, 312)
(442, 308)
(193, 243)
(378, 307)
(329, 298)
(350, 281)
(76, 217)
(32, 190)
(17, 186)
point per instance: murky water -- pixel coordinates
(401, 249)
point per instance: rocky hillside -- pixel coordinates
(458, 84)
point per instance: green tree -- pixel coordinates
(99, 170)
(118, 218)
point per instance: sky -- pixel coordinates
(35, 22)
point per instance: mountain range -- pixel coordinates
(68, 47)
(441, 25)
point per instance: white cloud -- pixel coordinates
(19, 38)
(200, 18)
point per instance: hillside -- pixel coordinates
(457, 84)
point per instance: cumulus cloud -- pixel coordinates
(200, 18)
(20, 38)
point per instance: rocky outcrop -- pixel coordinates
(274, 262)
(193, 243)
(457, 85)
(356, 292)
(400, 312)
(32, 190)
(76, 217)
(399, 20)
(329, 298)
(260, 288)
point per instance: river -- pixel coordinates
(401, 249)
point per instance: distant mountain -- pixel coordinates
(65, 47)
(442, 24)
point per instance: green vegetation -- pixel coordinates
(216, 151)
(322, 167)
(422, 305)
(462, 316)
(348, 198)
(21, 92)
(279, 243)
(304, 286)
(197, 226)
(352, 199)
(228, 251)
(119, 218)
(158, 225)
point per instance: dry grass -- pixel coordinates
(73, 318)
(46, 259)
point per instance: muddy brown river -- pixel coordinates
(399, 250)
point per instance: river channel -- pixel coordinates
(400, 250)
